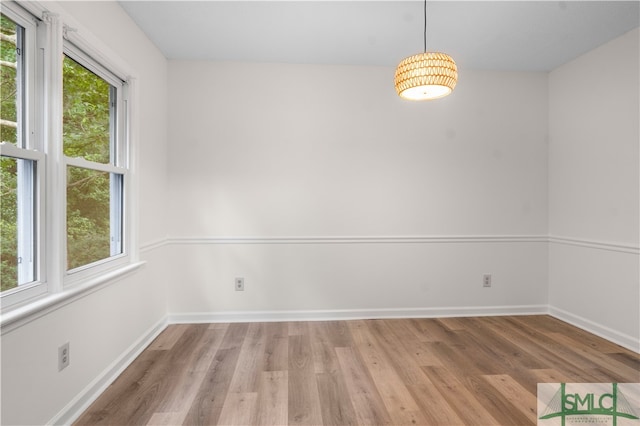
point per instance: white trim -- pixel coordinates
(80, 36)
(406, 239)
(20, 315)
(87, 61)
(153, 245)
(54, 251)
(85, 164)
(600, 330)
(131, 219)
(353, 314)
(10, 150)
(594, 244)
(20, 13)
(89, 394)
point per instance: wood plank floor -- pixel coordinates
(449, 371)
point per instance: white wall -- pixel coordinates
(594, 193)
(105, 325)
(313, 152)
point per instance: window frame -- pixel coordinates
(118, 165)
(56, 31)
(29, 147)
(38, 285)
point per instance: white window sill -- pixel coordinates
(21, 315)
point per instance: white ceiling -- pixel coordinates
(491, 35)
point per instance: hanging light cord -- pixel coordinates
(425, 26)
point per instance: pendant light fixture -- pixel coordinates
(427, 75)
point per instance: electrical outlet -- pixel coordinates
(63, 356)
(239, 284)
(486, 280)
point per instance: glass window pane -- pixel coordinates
(93, 230)
(10, 90)
(17, 222)
(87, 113)
(9, 223)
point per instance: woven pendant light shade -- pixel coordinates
(429, 75)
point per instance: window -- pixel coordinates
(64, 159)
(94, 167)
(11, 47)
(20, 161)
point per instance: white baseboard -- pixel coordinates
(614, 336)
(353, 314)
(88, 395)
